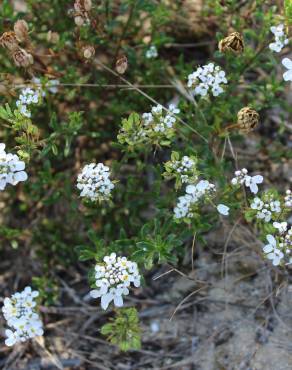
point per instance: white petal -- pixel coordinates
(276, 261)
(118, 301)
(258, 179)
(106, 299)
(287, 76)
(20, 176)
(94, 293)
(268, 248)
(224, 210)
(271, 240)
(287, 63)
(191, 189)
(253, 188)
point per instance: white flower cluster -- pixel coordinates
(266, 208)
(194, 193)
(186, 168)
(287, 63)
(11, 168)
(152, 52)
(94, 182)
(51, 85)
(288, 198)
(208, 77)
(242, 178)
(280, 38)
(113, 279)
(157, 121)
(279, 246)
(19, 312)
(27, 97)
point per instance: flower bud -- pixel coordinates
(247, 119)
(234, 43)
(9, 41)
(88, 52)
(122, 65)
(22, 58)
(21, 30)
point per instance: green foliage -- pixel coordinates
(288, 11)
(123, 330)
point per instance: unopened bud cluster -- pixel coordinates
(94, 182)
(183, 170)
(155, 127)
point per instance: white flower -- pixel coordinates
(273, 253)
(223, 210)
(94, 182)
(26, 98)
(242, 178)
(11, 169)
(173, 109)
(151, 52)
(287, 63)
(19, 312)
(288, 199)
(281, 226)
(207, 78)
(280, 38)
(193, 193)
(113, 279)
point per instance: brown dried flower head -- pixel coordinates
(9, 41)
(53, 37)
(82, 5)
(22, 58)
(247, 119)
(21, 30)
(122, 65)
(79, 20)
(234, 43)
(88, 52)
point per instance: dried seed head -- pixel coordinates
(21, 30)
(122, 65)
(53, 37)
(82, 5)
(79, 21)
(9, 41)
(88, 51)
(22, 58)
(234, 43)
(87, 5)
(247, 119)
